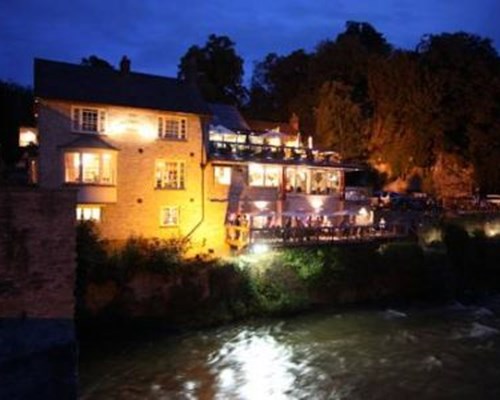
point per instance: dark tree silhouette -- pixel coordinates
(16, 110)
(96, 62)
(277, 86)
(217, 70)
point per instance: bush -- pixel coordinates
(100, 260)
(278, 289)
(152, 255)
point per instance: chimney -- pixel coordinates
(125, 65)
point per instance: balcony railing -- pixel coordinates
(241, 237)
(268, 153)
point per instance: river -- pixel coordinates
(449, 352)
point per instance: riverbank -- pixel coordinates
(445, 352)
(147, 284)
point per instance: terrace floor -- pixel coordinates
(243, 237)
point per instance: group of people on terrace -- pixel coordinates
(246, 148)
(299, 227)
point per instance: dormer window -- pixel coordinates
(88, 120)
(172, 128)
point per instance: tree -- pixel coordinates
(404, 99)
(277, 87)
(465, 65)
(403, 108)
(372, 41)
(96, 62)
(217, 70)
(16, 110)
(346, 59)
(468, 69)
(295, 83)
(340, 124)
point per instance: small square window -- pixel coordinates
(172, 128)
(88, 213)
(88, 120)
(169, 216)
(222, 175)
(169, 174)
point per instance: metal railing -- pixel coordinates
(269, 153)
(241, 237)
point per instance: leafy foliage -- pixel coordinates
(370, 101)
(277, 88)
(16, 110)
(339, 120)
(96, 62)
(217, 70)
(100, 259)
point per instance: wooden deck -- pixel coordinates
(240, 237)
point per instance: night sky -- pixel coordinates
(156, 33)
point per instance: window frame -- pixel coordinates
(176, 224)
(216, 177)
(180, 172)
(80, 169)
(265, 175)
(77, 119)
(80, 213)
(182, 131)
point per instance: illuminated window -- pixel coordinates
(169, 216)
(169, 174)
(88, 120)
(264, 175)
(88, 213)
(222, 175)
(324, 181)
(89, 168)
(333, 181)
(296, 179)
(172, 128)
(27, 137)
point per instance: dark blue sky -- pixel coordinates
(156, 33)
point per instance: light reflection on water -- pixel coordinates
(258, 367)
(447, 353)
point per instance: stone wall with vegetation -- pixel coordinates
(149, 281)
(37, 253)
(37, 275)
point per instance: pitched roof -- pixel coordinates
(88, 141)
(64, 81)
(228, 116)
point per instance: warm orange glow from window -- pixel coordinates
(87, 213)
(169, 175)
(91, 168)
(222, 175)
(27, 136)
(169, 216)
(364, 217)
(264, 175)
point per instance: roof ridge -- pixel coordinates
(74, 82)
(115, 70)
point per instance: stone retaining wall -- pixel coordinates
(37, 275)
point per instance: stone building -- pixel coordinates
(150, 157)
